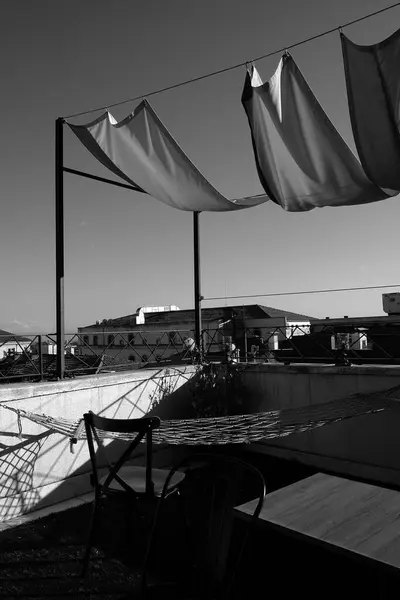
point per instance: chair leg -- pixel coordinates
(149, 548)
(145, 589)
(186, 526)
(89, 543)
(187, 539)
(134, 523)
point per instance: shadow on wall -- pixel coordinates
(166, 400)
(170, 403)
(17, 463)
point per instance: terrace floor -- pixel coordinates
(40, 557)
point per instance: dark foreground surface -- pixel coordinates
(42, 559)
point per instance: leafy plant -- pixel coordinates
(217, 390)
(165, 386)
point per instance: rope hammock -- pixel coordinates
(237, 429)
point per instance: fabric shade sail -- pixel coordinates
(302, 160)
(140, 150)
(373, 89)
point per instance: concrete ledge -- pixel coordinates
(36, 465)
(273, 386)
(44, 389)
(324, 368)
(330, 464)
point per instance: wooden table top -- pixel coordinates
(351, 516)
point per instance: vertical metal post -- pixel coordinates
(197, 283)
(60, 325)
(40, 353)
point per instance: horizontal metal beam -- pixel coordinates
(104, 180)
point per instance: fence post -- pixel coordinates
(59, 210)
(197, 284)
(40, 352)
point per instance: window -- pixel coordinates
(132, 357)
(131, 338)
(95, 340)
(144, 358)
(110, 340)
(85, 339)
(275, 342)
(158, 341)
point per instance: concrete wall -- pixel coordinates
(37, 466)
(366, 447)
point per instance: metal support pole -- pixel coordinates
(60, 325)
(40, 353)
(197, 283)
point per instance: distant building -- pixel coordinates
(12, 344)
(50, 347)
(346, 340)
(155, 333)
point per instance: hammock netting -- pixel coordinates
(237, 429)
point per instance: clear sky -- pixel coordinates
(124, 249)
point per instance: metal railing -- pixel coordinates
(20, 352)
(325, 343)
(33, 357)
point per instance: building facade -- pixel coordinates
(154, 334)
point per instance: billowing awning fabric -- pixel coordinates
(301, 159)
(373, 89)
(140, 150)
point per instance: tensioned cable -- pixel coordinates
(352, 289)
(232, 67)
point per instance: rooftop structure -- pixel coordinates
(214, 315)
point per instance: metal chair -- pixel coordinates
(132, 482)
(215, 541)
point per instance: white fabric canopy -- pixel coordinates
(302, 160)
(140, 150)
(373, 88)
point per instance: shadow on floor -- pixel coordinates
(42, 559)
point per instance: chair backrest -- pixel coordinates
(132, 432)
(214, 485)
